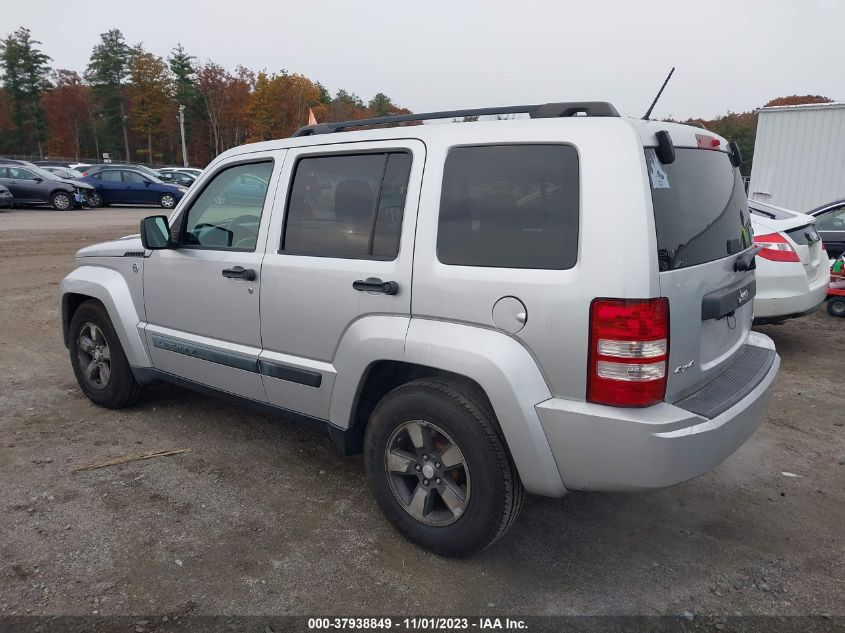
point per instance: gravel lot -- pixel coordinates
(263, 517)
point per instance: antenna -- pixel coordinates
(659, 92)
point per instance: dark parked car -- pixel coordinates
(830, 224)
(29, 184)
(125, 185)
(6, 198)
(177, 178)
(94, 169)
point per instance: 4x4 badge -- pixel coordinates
(683, 368)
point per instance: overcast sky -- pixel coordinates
(429, 55)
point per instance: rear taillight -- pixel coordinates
(629, 346)
(775, 247)
(84, 173)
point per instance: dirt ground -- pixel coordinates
(263, 517)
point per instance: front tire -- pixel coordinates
(836, 307)
(98, 360)
(167, 201)
(61, 201)
(95, 200)
(439, 468)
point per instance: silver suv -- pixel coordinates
(485, 309)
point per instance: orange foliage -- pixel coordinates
(67, 114)
(798, 100)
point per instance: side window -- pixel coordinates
(21, 174)
(133, 177)
(111, 175)
(347, 205)
(227, 214)
(509, 206)
(832, 221)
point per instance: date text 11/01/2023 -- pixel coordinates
(418, 624)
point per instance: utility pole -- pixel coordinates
(182, 130)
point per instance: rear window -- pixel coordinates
(700, 209)
(509, 206)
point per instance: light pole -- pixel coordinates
(182, 130)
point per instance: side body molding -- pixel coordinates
(512, 381)
(110, 288)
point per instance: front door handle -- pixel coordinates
(239, 272)
(374, 284)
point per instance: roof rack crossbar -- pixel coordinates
(537, 111)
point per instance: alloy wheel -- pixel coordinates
(61, 201)
(168, 201)
(428, 473)
(94, 356)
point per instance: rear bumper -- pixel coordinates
(787, 293)
(606, 448)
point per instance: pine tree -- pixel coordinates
(25, 69)
(107, 72)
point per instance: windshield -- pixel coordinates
(700, 209)
(43, 173)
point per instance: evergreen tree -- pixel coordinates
(25, 69)
(107, 72)
(381, 105)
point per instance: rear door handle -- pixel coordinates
(374, 284)
(239, 272)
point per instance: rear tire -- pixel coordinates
(462, 509)
(98, 360)
(836, 306)
(61, 201)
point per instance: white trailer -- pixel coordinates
(799, 156)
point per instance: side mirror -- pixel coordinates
(155, 233)
(38, 179)
(147, 182)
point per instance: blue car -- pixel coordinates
(125, 185)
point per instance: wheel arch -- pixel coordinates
(109, 288)
(489, 362)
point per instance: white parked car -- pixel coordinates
(793, 272)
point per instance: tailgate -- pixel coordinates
(703, 227)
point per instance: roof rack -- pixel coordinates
(538, 111)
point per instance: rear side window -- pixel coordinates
(700, 209)
(347, 205)
(111, 176)
(509, 206)
(133, 177)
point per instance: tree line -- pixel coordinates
(126, 103)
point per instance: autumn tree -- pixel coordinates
(798, 100)
(25, 69)
(213, 83)
(67, 114)
(148, 95)
(108, 70)
(236, 109)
